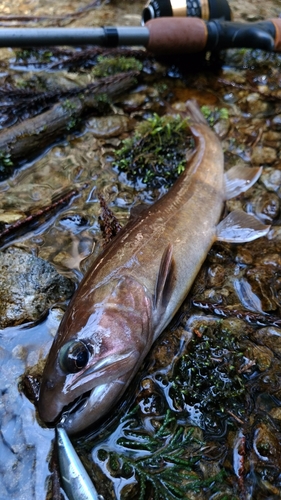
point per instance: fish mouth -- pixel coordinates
(77, 405)
(91, 407)
(71, 417)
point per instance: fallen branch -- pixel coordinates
(36, 217)
(249, 88)
(11, 18)
(250, 317)
(27, 139)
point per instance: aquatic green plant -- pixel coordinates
(156, 154)
(209, 377)
(213, 115)
(5, 159)
(107, 66)
(163, 463)
(6, 164)
(38, 55)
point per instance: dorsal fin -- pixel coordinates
(163, 288)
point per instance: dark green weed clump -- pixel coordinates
(37, 56)
(210, 378)
(156, 154)
(162, 465)
(107, 66)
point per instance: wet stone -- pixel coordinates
(272, 136)
(243, 256)
(263, 154)
(267, 207)
(28, 287)
(109, 126)
(263, 357)
(222, 128)
(271, 178)
(255, 105)
(276, 122)
(266, 444)
(269, 337)
(216, 276)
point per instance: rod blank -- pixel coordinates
(106, 37)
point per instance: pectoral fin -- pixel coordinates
(164, 281)
(238, 179)
(240, 227)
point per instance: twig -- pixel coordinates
(249, 88)
(36, 217)
(250, 317)
(33, 135)
(235, 417)
(54, 19)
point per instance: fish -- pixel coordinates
(137, 284)
(75, 479)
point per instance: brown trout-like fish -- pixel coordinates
(137, 284)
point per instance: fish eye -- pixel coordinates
(74, 356)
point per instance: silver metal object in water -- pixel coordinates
(75, 479)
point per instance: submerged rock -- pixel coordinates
(28, 287)
(263, 154)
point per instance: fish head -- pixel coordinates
(100, 344)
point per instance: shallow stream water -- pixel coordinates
(234, 413)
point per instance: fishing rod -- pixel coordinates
(168, 27)
(160, 36)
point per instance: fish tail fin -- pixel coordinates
(195, 112)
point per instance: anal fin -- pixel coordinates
(240, 178)
(164, 280)
(240, 227)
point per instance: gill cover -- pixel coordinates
(100, 344)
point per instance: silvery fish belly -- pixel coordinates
(138, 283)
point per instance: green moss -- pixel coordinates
(107, 66)
(69, 104)
(6, 165)
(5, 159)
(102, 98)
(213, 115)
(72, 124)
(41, 56)
(208, 378)
(156, 154)
(224, 114)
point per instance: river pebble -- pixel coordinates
(28, 287)
(263, 154)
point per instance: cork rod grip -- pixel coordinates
(176, 35)
(277, 42)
